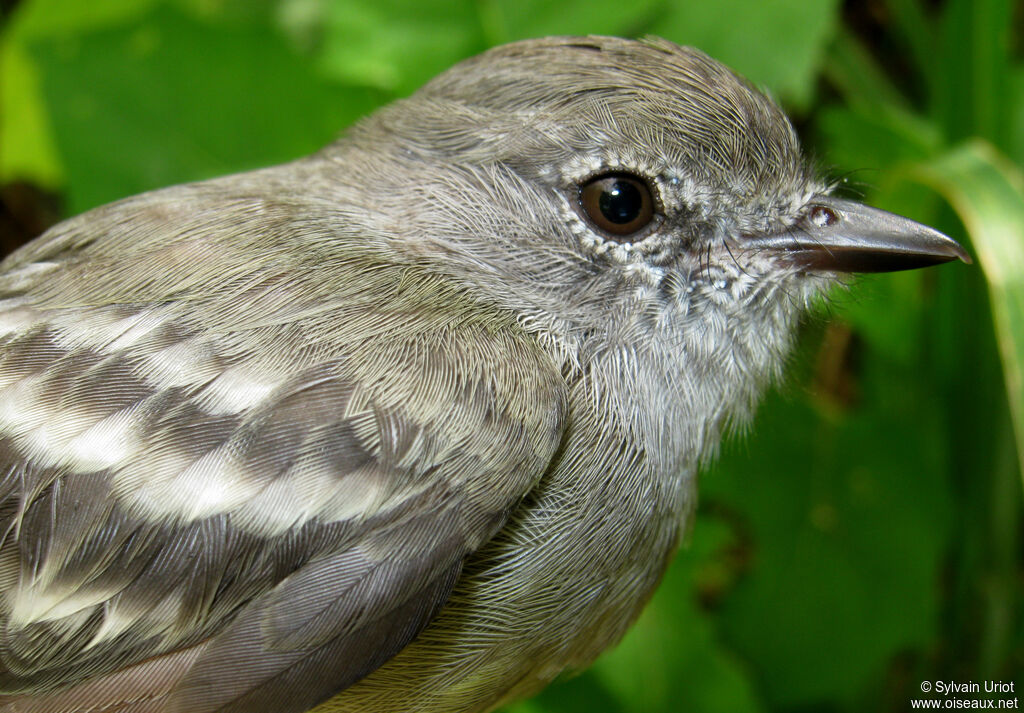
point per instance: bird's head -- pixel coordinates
(633, 195)
(574, 172)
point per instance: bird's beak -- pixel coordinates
(839, 235)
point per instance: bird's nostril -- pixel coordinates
(822, 217)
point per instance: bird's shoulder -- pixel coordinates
(255, 485)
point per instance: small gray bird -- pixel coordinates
(412, 424)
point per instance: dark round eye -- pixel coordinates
(617, 203)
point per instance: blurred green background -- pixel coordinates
(867, 534)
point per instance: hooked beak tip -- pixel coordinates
(962, 255)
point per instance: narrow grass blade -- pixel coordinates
(987, 191)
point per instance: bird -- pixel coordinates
(413, 423)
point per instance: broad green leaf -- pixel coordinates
(27, 151)
(392, 45)
(987, 192)
(37, 19)
(847, 514)
(774, 44)
(880, 126)
(54, 18)
(518, 19)
(865, 142)
(169, 98)
(230, 12)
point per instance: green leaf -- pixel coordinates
(854, 72)
(848, 518)
(774, 44)
(55, 18)
(916, 29)
(27, 151)
(864, 140)
(1017, 119)
(520, 19)
(971, 77)
(392, 45)
(168, 97)
(987, 191)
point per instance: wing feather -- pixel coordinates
(261, 559)
(235, 475)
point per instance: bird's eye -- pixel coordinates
(619, 204)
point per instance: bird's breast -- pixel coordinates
(560, 582)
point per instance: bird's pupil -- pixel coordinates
(621, 203)
(617, 204)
